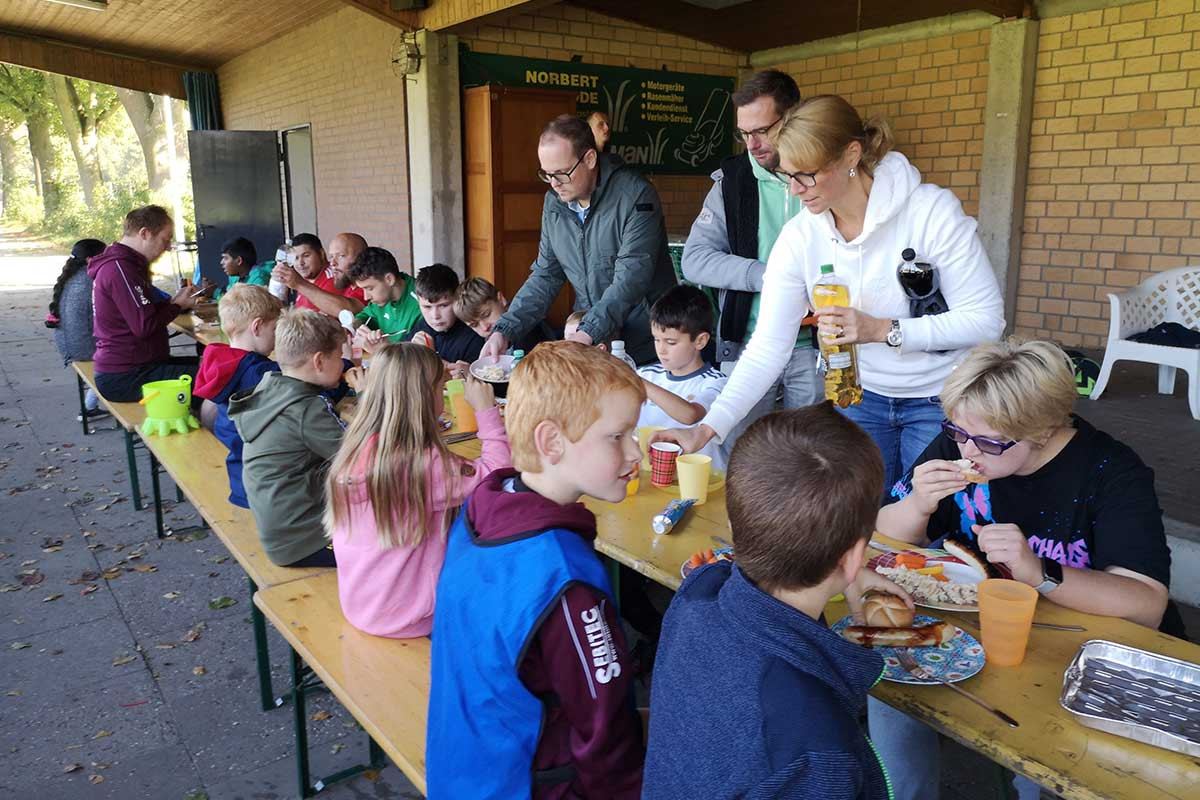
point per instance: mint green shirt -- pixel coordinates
(776, 207)
(397, 316)
(259, 275)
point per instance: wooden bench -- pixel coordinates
(128, 416)
(383, 683)
(196, 462)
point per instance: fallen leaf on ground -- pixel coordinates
(19, 645)
(221, 602)
(95, 779)
(87, 576)
(51, 598)
(145, 568)
(320, 715)
(89, 589)
(122, 659)
(72, 767)
(32, 578)
(164, 647)
(199, 670)
(194, 633)
(9, 587)
(372, 775)
(100, 734)
(112, 573)
(337, 748)
(171, 595)
(196, 794)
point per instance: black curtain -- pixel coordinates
(204, 100)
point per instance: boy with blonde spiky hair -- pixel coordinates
(248, 316)
(531, 677)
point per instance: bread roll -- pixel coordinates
(881, 610)
(970, 556)
(969, 472)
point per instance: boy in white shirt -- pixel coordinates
(681, 387)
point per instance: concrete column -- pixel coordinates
(435, 154)
(1007, 118)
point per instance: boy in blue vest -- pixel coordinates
(753, 695)
(530, 693)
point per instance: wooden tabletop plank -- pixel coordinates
(202, 333)
(383, 683)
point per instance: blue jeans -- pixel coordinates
(902, 427)
(910, 752)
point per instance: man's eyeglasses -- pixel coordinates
(805, 179)
(759, 133)
(561, 177)
(993, 447)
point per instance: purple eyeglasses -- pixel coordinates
(993, 447)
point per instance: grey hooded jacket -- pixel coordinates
(617, 262)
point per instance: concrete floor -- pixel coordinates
(107, 691)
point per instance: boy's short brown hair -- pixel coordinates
(470, 298)
(302, 332)
(804, 486)
(566, 383)
(153, 218)
(243, 303)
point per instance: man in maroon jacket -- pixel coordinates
(131, 316)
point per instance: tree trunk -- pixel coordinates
(8, 167)
(146, 117)
(81, 133)
(44, 169)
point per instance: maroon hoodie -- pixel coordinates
(130, 323)
(588, 725)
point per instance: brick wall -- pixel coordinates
(560, 32)
(335, 75)
(932, 91)
(1114, 176)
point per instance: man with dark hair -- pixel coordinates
(440, 328)
(602, 230)
(730, 240)
(130, 315)
(391, 308)
(239, 262)
(317, 285)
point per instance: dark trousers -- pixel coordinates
(126, 387)
(322, 558)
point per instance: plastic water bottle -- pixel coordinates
(283, 255)
(517, 356)
(618, 351)
(842, 384)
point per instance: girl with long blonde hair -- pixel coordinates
(394, 487)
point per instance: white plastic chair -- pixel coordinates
(1171, 296)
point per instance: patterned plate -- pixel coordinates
(958, 659)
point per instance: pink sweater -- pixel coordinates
(390, 592)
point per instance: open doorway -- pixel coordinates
(299, 180)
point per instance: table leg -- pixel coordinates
(262, 657)
(83, 415)
(154, 484)
(300, 723)
(134, 484)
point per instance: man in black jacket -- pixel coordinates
(732, 237)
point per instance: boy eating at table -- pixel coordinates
(530, 693)
(290, 431)
(479, 304)
(239, 263)
(391, 309)
(681, 386)
(439, 328)
(248, 317)
(753, 695)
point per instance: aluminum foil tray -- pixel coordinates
(1135, 694)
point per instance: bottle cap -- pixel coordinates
(826, 269)
(518, 354)
(909, 254)
(618, 346)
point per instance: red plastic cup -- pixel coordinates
(662, 462)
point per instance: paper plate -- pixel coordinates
(958, 659)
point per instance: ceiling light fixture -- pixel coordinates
(87, 5)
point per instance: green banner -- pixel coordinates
(667, 123)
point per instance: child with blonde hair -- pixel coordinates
(394, 487)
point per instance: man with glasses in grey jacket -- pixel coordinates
(730, 240)
(602, 230)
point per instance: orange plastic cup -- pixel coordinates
(1005, 617)
(464, 415)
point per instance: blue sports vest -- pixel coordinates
(484, 725)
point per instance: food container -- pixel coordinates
(1136, 694)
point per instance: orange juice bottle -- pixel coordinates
(842, 385)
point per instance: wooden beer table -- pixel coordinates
(204, 333)
(1049, 747)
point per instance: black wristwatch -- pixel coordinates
(1052, 576)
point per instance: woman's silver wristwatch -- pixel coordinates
(895, 337)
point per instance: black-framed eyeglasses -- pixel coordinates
(742, 135)
(805, 179)
(561, 177)
(993, 447)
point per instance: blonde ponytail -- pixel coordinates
(877, 143)
(818, 131)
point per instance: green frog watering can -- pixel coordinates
(168, 406)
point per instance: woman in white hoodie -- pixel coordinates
(866, 205)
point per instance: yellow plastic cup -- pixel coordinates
(643, 434)
(692, 471)
(632, 487)
(1005, 617)
(464, 415)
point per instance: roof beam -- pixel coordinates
(93, 64)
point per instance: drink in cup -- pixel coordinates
(1005, 617)
(693, 470)
(464, 415)
(662, 462)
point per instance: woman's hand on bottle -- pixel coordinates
(690, 439)
(934, 481)
(480, 395)
(842, 325)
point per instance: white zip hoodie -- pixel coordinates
(901, 212)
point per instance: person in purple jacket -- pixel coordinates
(131, 318)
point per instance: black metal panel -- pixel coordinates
(235, 183)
